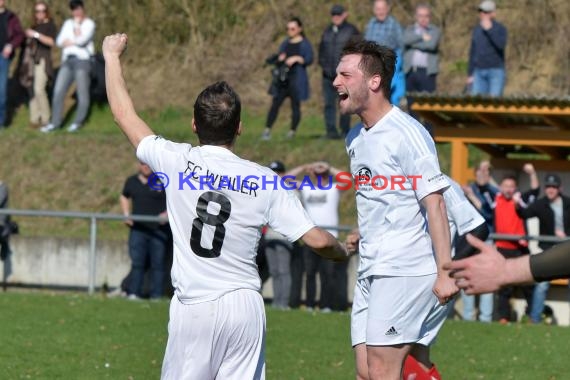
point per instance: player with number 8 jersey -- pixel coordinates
(217, 207)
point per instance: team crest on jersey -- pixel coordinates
(363, 176)
(364, 173)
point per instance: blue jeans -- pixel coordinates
(331, 100)
(486, 302)
(4, 66)
(147, 245)
(80, 71)
(538, 298)
(488, 82)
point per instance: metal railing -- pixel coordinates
(93, 217)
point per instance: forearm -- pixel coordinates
(121, 103)
(325, 245)
(534, 182)
(297, 170)
(125, 205)
(46, 40)
(517, 271)
(438, 226)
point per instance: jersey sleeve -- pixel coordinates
(153, 150)
(149, 150)
(459, 211)
(287, 216)
(418, 160)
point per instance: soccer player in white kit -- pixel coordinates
(401, 280)
(217, 204)
(463, 218)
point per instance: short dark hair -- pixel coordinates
(509, 177)
(74, 4)
(217, 113)
(376, 60)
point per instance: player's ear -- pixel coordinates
(194, 126)
(374, 82)
(239, 130)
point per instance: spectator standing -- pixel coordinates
(40, 39)
(481, 194)
(507, 221)
(147, 240)
(335, 36)
(5, 227)
(296, 53)
(487, 74)
(421, 55)
(278, 252)
(11, 37)
(553, 213)
(385, 30)
(321, 200)
(76, 39)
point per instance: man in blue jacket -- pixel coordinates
(487, 53)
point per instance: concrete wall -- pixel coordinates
(64, 262)
(51, 261)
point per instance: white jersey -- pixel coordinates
(321, 204)
(462, 215)
(398, 156)
(217, 206)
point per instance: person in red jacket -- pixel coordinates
(11, 37)
(507, 221)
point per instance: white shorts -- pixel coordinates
(388, 311)
(220, 339)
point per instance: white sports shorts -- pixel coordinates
(388, 311)
(220, 339)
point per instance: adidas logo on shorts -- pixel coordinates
(391, 332)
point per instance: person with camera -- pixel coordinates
(295, 53)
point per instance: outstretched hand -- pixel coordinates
(481, 273)
(114, 45)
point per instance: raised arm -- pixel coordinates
(119, 99)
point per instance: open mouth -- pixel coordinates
(342, 96)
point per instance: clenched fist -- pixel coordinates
(114, 45)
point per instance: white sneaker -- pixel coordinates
(326, 310)
(133, 297)
(290, 134)
(74, 127)
(266, 135)
(48, 128)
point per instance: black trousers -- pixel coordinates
(282, 93)
(297, 270)
(506, 292)
(333, 280)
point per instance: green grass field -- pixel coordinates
(73, 336)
